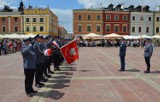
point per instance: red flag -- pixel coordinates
(70, 52)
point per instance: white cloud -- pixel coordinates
(105, 3)
(13, 4)
(65, 18)
(2, 3)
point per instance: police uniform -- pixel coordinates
(148, 50)
(47, 58)
(29, 64)
(122, 54)
(40, 62)
(56, 55)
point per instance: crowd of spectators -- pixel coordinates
(114, 43)
(9, 46)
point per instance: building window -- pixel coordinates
(108, 28)
(157, 29)
(34, 19)
(124, 28)
(89, 17)
(79, 28)
(157, 19)
(79, 17)
(3, 20)
(133, 18)
(27, 19)
(98, 17)
(147, 29)
(41, 20)
(116, 29)
(124, 17)
(116, 17)
(149, 19)
(133, 29)
(88, 28)
(98, 28)
(16, 19)
(108, 17)
(41, 29)
(27, 29)
(16, 29)
(141, 18)
(139, 29)
(34, 29)
(4, 29)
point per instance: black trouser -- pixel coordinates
(5, 51)
(147, 60)
(48, 64)
(29, 76)
(0, 51)
(39, 72)
(122, 59)
(56, 58)
(47, 67)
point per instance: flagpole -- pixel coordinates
(141, 25)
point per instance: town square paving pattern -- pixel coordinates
(94, 78)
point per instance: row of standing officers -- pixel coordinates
(36, 64)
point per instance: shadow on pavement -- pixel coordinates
(156, 72)
(59, 81)
(68, 68)
(84, 70)
(66, 73)
(53, 94)
(133, 70)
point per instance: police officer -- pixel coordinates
(40, 61)
(148, 50)
(47, 58)
(56, 55)
(122, 54)
(29, 64)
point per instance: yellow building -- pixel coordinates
(40, 21)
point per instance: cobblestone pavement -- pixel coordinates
(94, 78)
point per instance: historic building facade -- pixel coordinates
(120, 20)
(116, 20)
(141, 22)
(40, 21)
(11, 22)
(157, 23)
(87, 21)
(101, 21)
(29, 20)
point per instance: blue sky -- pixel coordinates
(63, 8)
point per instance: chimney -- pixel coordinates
(158, 8)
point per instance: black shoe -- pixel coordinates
(48, 76)
(33, 91)
(50, 72)
(38, 85)
(43, 80)
(29, 95)
(41, 84)
(121, 70)
(59, 69)
(146, 71)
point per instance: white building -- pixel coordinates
(141, 23)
